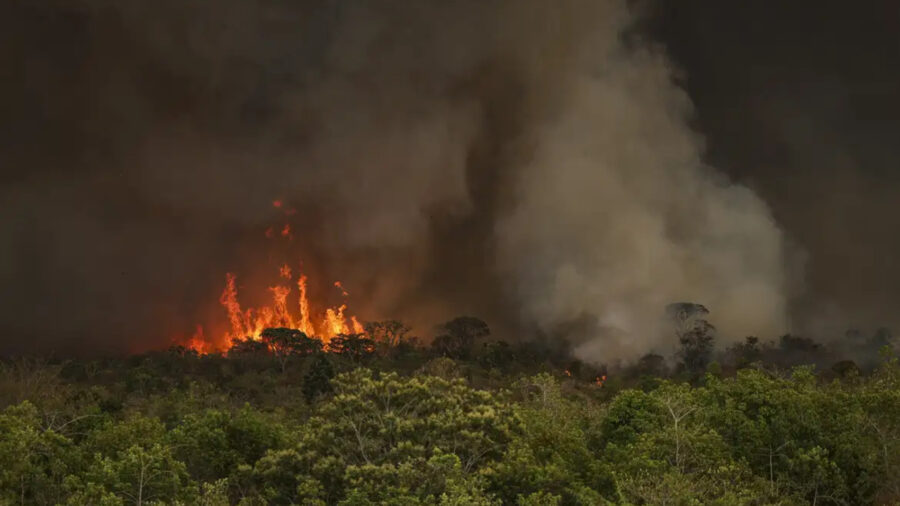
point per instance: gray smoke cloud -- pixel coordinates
(616, 215)
(529, 162)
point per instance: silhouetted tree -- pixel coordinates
(182, 351)
(651, 364)
(796, 344)
(247, 346)
(354, 346)
(696, 336)
(387, 335)
(285, 342)
(746, 353)
(496, 354)
(457, 336)
(317, 381)
(845, 369)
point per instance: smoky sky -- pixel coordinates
(533, 163)
(800, 101)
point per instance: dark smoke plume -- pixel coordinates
(528, 161)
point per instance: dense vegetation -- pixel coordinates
(379, 418)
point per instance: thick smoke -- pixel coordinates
(799, 100)
(616, 216)
(527, 161)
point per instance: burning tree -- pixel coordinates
(354, 346)
(247, 346)
(285, 342)
(291, 319)
(290, 311)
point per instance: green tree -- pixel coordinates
(133, 462)
(879, 399)
(33, 461)
(214, 443)
(551, 460)
(140, 474)
(374, 433)
(664, 450)
(802, 438)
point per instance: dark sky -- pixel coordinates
(801, 100)
(798, 100)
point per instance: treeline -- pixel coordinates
(383, 418)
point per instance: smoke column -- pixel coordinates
(527, 161)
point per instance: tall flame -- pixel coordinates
(305, 323)
(282, 312)
(250, 323)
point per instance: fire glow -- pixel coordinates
(289, 308)
(284, 311)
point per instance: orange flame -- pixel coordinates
(357, 327)
(334, 320)
(250, 323)
(198, 342)
(305, 323)
(281, 317)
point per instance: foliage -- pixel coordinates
(467, 422)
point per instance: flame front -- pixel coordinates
(286, 309)
(250, 323)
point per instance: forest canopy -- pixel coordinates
(381, 418)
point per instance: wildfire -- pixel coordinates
(198, 341)
(284, 311)
(290, 306)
